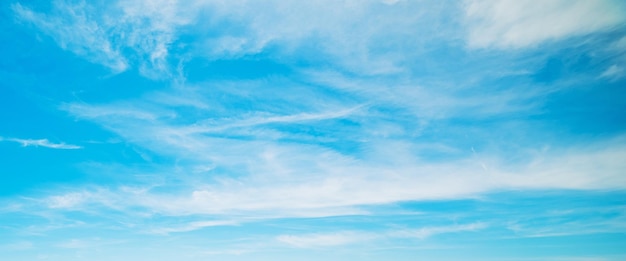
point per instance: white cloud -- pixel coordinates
(426, 232)
(67, 200)
(150, 28)
(341, 238)
(41, 143)
(87, 243)
(220, 126)
(306, 181)
(104, 34)
(300, 177)
(429, 101)
(321, 27)
(614, 72)
(390, 2)
(74, 243)
(19, 246)
(324, 240)
(384, 35)
(122, 34)
(527, 23)
(619, 45)
(76, 31)
(193, 226)
(115, 111)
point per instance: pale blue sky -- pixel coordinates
(308, 130)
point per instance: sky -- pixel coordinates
(304, 130)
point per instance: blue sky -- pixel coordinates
(307, 130)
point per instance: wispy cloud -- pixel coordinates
(426, 232)
(325, 240)
(566, 221)
(18, 246)
(284, 152)
(105, 34)
(77, 32)
(519, 24)
(126, 33)
(614, 72)
(41, 143)
(341, 238)
(301, 183)
(193, 226)
(87, 243)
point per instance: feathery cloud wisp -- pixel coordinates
(527, 23)
(41, 143)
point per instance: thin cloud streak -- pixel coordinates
(41, 143)
(193, 226)
(342, 238)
